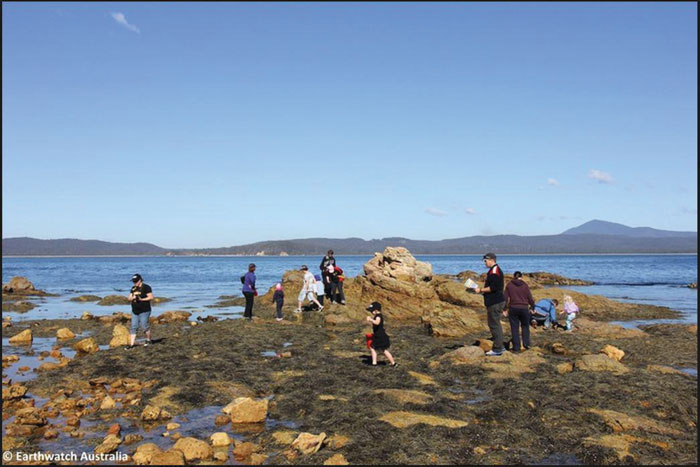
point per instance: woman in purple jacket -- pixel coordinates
(249, 291)
(518, 303)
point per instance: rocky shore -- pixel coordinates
(301, 391)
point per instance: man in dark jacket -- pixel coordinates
(494, 301)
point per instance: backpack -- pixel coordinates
(243, 279)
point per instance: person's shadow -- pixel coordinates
(157, 341)
(367, 360)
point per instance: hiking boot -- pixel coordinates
(279, 319)
(147, 343)
(493, 353)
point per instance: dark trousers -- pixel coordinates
(337, 294)
(249, 297)
(279, 308)
(493, 314)
(327, 287)
(521, 317)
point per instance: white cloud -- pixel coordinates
(121, 19)
(600, 176)
(435, 212)
(553, 181)
(471, 211)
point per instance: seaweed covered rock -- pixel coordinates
(110, 300)
(86, 298)
(19, 306)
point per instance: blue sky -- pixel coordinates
(206, 125)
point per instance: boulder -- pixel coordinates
(86, 316)
(120, 336)
(152, 413)
(169, 457)
(109, 444)
(308, 443)
(171, 316)
(24, 337)
(220, 439)
(110, 300)
(243, 450)
(613, 352)
(107, 403)
(145, 452)
(336, 459)
(18, 285)
(194, 449)
(600, 362)
(467, 355)
(88, 345)
(247, 410)
(558, 348)
(14, 391)
(64, 333)
(29, 416)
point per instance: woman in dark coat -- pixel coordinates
(380, 340)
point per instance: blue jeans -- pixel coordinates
(140, 320)
(570, 321)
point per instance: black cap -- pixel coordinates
(374, 306)
(490, 255)
(304, 267)
(136, 278)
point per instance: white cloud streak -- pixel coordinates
(471, 211)
(435, 212)
(600, 176)
(553, 181)
(121, 19)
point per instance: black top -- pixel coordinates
(494, 281)
(137, 306)
(327, 261)
(380, 339)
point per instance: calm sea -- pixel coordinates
(196, 282)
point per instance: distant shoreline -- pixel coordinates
(367, 254)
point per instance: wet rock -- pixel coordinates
(337, 441)
(19, 430)
(693, 285)
(86, 316)
(19, 306)
(284, 437)
(619, 421)
(172, 426)
(566, 367)
(23, 368)
(600, 362)
(402, 419)
(220, 455)
(220, 439)
(51, 434)
(467, 355)
(109, 444)
(613, 352)
(86, 298)
(64, 333)
(336, 459)
(194, 449)
(131, 439)
(120, 336)
(153, 413)
(308, 443)
(257, 458)
(110, 300)
(14, 391)
(73, 421)
(88, 345)
(222, 420)
(29, 416)
(247, 410)
(406, 396)
(114, 429)
(667, 370)
(171, 316)
(244, 450)
(108, 403)
(24, 337)
(145, 452)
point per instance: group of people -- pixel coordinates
(517, 303)
(514, 300)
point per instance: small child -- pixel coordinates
(320, 288)
(570, 308)
(380, 340)
(278, 298)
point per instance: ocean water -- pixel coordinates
(193, 283)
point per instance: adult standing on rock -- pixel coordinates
(327, 260)
(140, 297)
(249, 291)
(307, 290)
(518, 303)
(494, 301)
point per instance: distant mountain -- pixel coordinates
(25, 246)
(590, 238)
(611, 228)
